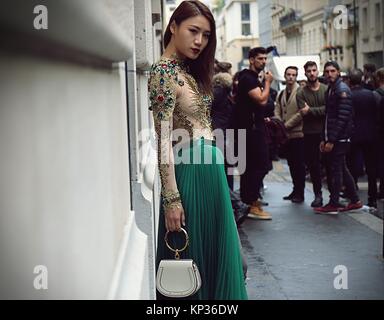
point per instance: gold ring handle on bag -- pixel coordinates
(177, 251)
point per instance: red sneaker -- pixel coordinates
(328, 209)
(352, 206)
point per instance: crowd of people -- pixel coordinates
(333, 127)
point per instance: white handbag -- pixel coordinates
(178, 278)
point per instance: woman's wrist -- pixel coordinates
(171, 199)
(173, 205)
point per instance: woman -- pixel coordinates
(194, 195)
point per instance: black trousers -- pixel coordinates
(257, 166)
(338, 173)
(295, 158)
(369, 152)
(380, 166)
(313, 160)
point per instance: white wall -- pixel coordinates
(233, 20)
(254, 19)
(77, 195)
(64, 177)
(265, 22)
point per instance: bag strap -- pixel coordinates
(280, 96)
(177, 251)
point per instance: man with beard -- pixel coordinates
(249, 114)
(311, 102)
(336, 140)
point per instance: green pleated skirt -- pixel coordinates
(214, 241)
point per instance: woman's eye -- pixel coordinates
(206, 35)
(193, 30)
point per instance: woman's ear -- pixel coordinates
(173, 27)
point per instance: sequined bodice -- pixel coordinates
(173, 91)
(177, 103)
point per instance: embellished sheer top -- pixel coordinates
(176, 104)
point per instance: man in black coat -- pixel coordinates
(364, 137)
(379, 97)
(336, 139)
(222, 119)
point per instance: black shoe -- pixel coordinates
(343, 195)
(289, 197)
(318, 202)
(297, 199)
(372, 203)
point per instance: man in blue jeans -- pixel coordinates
(336, 140)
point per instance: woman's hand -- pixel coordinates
(174, 218)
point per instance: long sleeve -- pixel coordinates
(344, 113)
(296, 118)
(317, 112)
(300, 98)
(314, 111)
(162, 88)
(277, 112)
(294, 121)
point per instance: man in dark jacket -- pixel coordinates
(222, 119)
(364, 137)
(336, 140)
(379, 96)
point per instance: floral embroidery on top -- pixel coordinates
(176, 103)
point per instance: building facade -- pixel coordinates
(371, 29)
(169, 7)
(79, 192)
(296, 26)
(265, 23)
(350, 32)
(237, 32)
(360, 39)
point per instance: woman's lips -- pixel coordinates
(196, 51)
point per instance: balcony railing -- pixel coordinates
(291, 20)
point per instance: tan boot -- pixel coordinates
(256, 203)
(256, 212)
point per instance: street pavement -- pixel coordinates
(303, 255)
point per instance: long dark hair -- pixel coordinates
(201, 68)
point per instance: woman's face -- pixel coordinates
(191, 36)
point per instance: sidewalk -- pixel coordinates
(294, 255)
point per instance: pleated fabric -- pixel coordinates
(214, 240)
